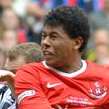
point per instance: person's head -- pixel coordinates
(22, 54)
(6, 3)
(9, 38)
(101, 37)
(101, 41)
(64, 35)
(10, 19)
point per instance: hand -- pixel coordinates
(4, 73)
(7, 76)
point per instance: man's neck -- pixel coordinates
(71, 67)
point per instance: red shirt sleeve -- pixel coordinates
(29, 93)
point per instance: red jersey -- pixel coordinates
(39, 86)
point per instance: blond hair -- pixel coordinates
(30, 50)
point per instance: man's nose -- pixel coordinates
(45, 42)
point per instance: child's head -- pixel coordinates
(23, 53)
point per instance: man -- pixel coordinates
(63, 80)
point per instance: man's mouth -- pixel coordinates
(47, 54)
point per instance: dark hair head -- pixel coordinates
(73, 21)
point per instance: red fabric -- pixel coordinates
(88, 90)
(22, 37)
(101, 4)
(72, 2)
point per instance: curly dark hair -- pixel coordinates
(73, 21)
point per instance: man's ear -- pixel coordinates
(78, 42)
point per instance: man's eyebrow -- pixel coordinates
(53, 32)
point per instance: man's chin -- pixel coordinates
(49, 62)
(53, 63)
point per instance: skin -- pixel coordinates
(14, 64)
(9, 39)
(106, 6)
(60, 51)
(101, 40)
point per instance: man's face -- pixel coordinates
(57, 47)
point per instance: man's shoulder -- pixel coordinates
(96, 66)
(34, 65)
(97, 69)
(28, 72)
(31, 69)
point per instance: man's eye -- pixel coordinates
(53, 36)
